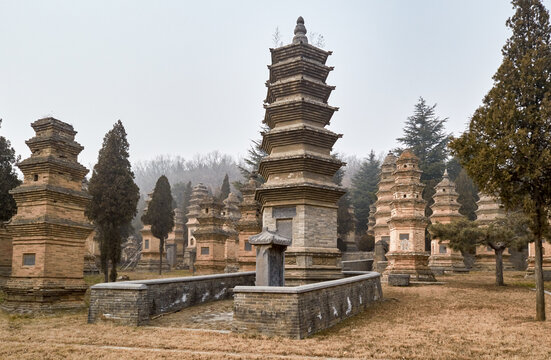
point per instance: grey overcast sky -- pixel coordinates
(188, 77)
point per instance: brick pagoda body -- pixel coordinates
(50, 228)
(249, 224)
(408, 222)
(175, 241)
(231, 215)
(198, 194)
(445, 210)
(299, 196)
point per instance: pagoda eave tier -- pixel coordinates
(298, 110)
(54, 141)
(48, 227)
(300, 194)
(299, 50)
(301, 134)
(296, 163)
(299, 66)
(408, 219)
(26, 193)
(298, 86)
(51, 164)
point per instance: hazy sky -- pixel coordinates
(188, 77)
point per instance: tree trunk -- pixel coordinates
(105, 268)
(499, 266)
(113, 274)
(538, 266)
(161, 243)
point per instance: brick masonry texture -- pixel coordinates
(133, 302)
(298, 312)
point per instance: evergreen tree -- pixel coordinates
(507, 148)
(225, 188)
(160, 215)
(424, 134)
(345, 222)
(364, 188)
(254, 155)
(8, 178)
(114, 198)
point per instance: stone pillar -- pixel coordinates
(198, 194)
(50, 228)
(270, 258)
(407, 222)
(445, 210)
(249, 224)
(299, 198)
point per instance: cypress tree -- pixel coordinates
(507, 147)
(160, 214)
(8, 178)
(225, 188)
(364, 188)
(114, 198)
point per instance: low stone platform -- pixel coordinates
(398, 279)
(134, 302)
(357, 265)
(298, 312)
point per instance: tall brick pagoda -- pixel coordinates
(249, 224)
(50, 228)
(489, 210)
(408, 222)
(210, 237)
(299, 196)
(231, 215)
(198, 194)
(445, 210)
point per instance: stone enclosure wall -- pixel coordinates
(134, 302)
(298, 312)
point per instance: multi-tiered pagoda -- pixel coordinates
(408, 222)
(489, 209)
(249, 224)
(198, 194)
(50, 228)
(299, 197)
(231, 215)
(445, 210)
(210, 237)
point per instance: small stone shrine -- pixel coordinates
(382, 213)
(198, 194)
(445, 210)
(50, 228)
(249, 224)
(150, 254)
(270, 258)
(489, 209)
(210, 238)
(231, 216)
(408, 222)
(299, 197)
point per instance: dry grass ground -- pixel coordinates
(466, 318)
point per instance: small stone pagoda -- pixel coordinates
(408, 222)
(299, 197)
(445, 210)
(382, 213)
(231, 216)
(489, 209)
(50, 228)
(198, 194)
(210, 238)
(174, 243)
(249, 224)
(150, 254)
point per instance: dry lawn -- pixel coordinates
(466, 318)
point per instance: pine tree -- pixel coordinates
(507, 148)
(424, 134)
(225, 188)
(8, 178)
(114, 198)
(252, 161)
(364, 187)
(160, 215)
(345, 222)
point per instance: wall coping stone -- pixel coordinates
(123, 285)
(307, 288)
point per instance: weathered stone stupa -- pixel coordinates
(408, 222)
(489, 209)
(231, 216)
(50, 228)
(198, 194)
(385, 195)
(150, 254)
(249, 224)
(445, 210)
(299, 196)
(174, 243)
(210, 238)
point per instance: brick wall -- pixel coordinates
(123, 303)
(5, 254)
(298, 312)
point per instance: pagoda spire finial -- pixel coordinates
(300, 32)
(445, 173)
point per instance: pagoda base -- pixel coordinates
(90, 265)
(312, 265)
(487, 262)
(29, 295)
(208, 267)
(414, 264)
(447, 264)
(151, 265)
(189, 258)
(546, 265)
